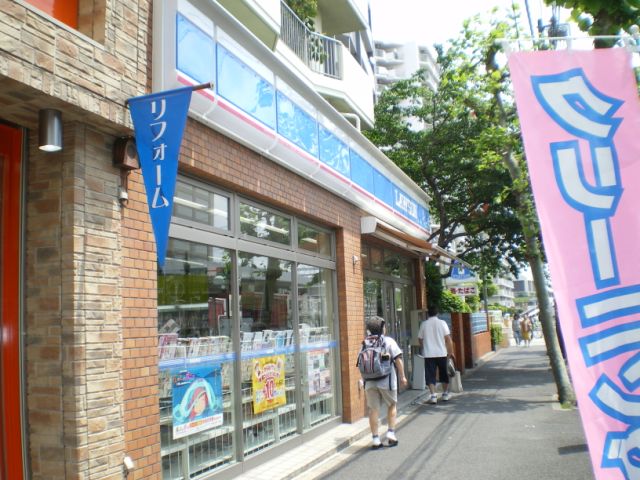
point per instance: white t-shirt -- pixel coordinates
(395, 351)
(432, 333)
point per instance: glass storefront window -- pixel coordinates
(377, 258)
(391, 264)
(373, 302)
(242, 364)
(397, 265)
(201, 206)
(315, 313)
(314, 240)
(265, 225)
(365, 255)
(268, 346)
(196, 362)
(406, 268)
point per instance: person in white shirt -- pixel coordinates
(436, 346)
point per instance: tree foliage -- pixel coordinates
(448, 143)
(433, 281)
(306, 10)
(601, 17)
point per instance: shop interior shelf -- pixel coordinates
(186, 442)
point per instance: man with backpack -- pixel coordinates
(380, 364)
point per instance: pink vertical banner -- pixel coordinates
(580, 119)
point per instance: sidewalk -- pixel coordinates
(298, 462)
(506, 424)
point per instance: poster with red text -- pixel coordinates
(268, 383)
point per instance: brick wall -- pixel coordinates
(73, 311)
(140, 333)
(90, 75)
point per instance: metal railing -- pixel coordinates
(318, 52)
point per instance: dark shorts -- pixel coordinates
(430, 366)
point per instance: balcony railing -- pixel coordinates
(318, 52)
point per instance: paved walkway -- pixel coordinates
(506, 424)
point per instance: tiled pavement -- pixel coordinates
(330, 448)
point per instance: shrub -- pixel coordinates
(496, 334)
(452, 303)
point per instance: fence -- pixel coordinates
(318, 52)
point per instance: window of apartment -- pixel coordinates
(247, 350)
(86, 16)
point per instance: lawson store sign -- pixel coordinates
(259, 102)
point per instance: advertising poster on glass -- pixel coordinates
(197, 399)
(319, 374)
(268, 383)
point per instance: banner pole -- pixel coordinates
(200, 86)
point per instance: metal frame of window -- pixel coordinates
(200, 226)
(332, 255)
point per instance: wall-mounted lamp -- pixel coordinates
(125, 157)
(355, 259)
(50, 130)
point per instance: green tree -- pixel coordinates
(468, 157)
(433, 281)
(306, 10)
(485, 49)
(433, 136)
(601, 17)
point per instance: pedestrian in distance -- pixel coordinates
(515, 328)
(526, 330)
(380, 363)
(436, 347)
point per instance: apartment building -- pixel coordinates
(288, 227)
(524, 291)
(505, 291)
(398, 61)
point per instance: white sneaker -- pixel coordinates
(392, 441)
(433, 399)
(376, 443)
(445, 397)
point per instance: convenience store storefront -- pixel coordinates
(242, 345)
(265, 264)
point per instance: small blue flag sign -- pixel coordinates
(460, 272)
(159, 120)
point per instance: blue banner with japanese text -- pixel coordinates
(159, 120)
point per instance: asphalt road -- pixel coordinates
(506, 425)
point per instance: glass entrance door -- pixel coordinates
(392, 301)
(398, 301)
